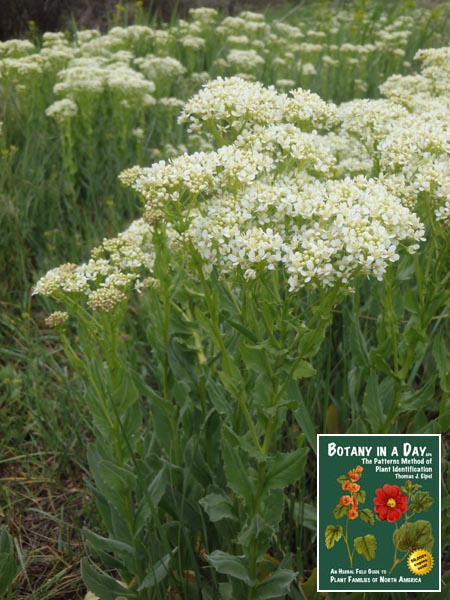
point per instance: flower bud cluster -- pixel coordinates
(115, 267)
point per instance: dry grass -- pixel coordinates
(44, 515)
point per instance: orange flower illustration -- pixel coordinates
(353, 487)
(353, 513)
(345, 500)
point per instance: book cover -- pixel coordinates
(378, 499)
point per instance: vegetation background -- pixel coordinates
(55, 15)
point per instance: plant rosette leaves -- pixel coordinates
(411, 536)
(366, 546)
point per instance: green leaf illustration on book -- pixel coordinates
(411, 536)
(333, 534)
(366, 546)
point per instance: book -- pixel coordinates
(378, 499)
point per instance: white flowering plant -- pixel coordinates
(242, 256)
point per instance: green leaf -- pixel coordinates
(232, 382)
(257, 532)
(98, 542)
(7, 571)
(306, 514)
(8, 568)
(309, 587)
(103, 585)
(355, 337)
(218, 398)
(411, 536)
(108, 476)
(339, 511)
(252, 355)
(361, 496)
(311, 339)
(373, 407)
(420, 501)
(417, 398)
(248, 334)
(410, 487)
(366, 546)
(441, 354)
(124, 393)
(235, 470)
(162, 413)
(303, 370)
(158, 571)
(367, 516)
(411, 301)
(342, 479)
(234, 566)
(285, 469)
(263, 392)
(304, 420)
(276, 586)
(217, 507)
(333, 534)
(272, 507)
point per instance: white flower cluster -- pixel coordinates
(62, 110)
(407, 136)
(95, 75)
(16, 48)
(115, 267)
(321, 232)
(283, 181)
(232, 104)
(157, 67)
(269, 198)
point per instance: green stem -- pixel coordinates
(228, 365)
(350, 555)
(396, 561)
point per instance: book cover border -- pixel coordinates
(407, 436)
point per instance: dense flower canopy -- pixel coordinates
(285, 181)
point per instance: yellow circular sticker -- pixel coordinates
(420, 562)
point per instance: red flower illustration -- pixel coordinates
(390, 503)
